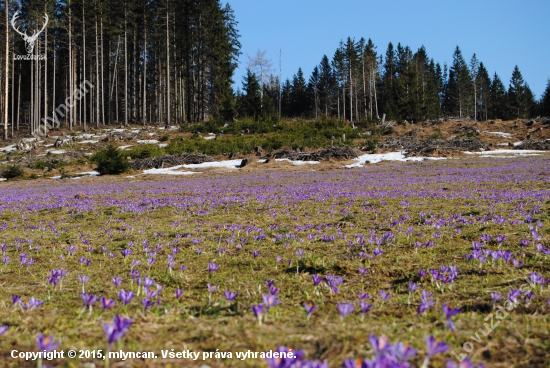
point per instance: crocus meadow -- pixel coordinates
(413, 264)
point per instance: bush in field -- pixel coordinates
(13, 172)
(110, 161)
(145, 151)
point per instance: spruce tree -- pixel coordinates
(484, 92)
(327, 85)
(545, 101)
(499, 100)
(389, 80)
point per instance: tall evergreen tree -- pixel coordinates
(327, 85)
(484, 91)
(545, 101)
(389, 81)
(250, 102)
(459, 85)
(498, 103)
(520, 97)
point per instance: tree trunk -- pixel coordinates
(167, 71)
(125, 66)
(6, 73)
(84, 61)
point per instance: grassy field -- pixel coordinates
(367, 230)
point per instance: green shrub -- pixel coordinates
(110, 161)
(13, 172)
(144, 151)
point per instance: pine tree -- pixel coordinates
(250, 102)
(545, 101)
(459, 85)
(498, 102)
(484, 91)
(389, 80)
(520, 96)
(299, 95)
(327, 85)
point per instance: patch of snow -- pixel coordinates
(231, 164)
(152, 134)
(135, 131)
(87, 136)
(148, 141)
(131, 177)
(504, 135)
(88, 141)
(88, 153)
(262, 161)
(48, 145)
(56, 152)
(88, 173)
(172, 127)
(124, 147)
(502, 144)
(9, 148)
(3, 179)
(209, 137)
(119, 130)
(517, 143)
(161, 145)
(56, 177)
(506, 151)
(168, 171)
(390, 156)
(297, 163)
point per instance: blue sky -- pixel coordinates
(502, 33)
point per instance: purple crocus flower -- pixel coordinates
(15, 299)
(258, 310)
(270, 301)
(380, 345)
(403, 352)
(434, 347)
(256, 253)
(31, 303)
(147, 303)
(3, 329)
(363, 295)
(212, 267)
(273, 290)
(230, 296)
(466, 363)
(295, 361)
(83, 279)
(106, 303)
(316, 279)
(426, 302)
(363, 271)
(46, 343)
(345, 309)
(449, 312)
(513, 295)
(365, 307)
(412, 288)
(310, 308)
(495, 296)
(88, 299)
(117, 329)
(117, 281)
(211, 289)
(125, 296)
(179, 293)
(384, 295)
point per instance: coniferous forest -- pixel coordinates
(170, 62)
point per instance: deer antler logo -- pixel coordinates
(29, 40)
